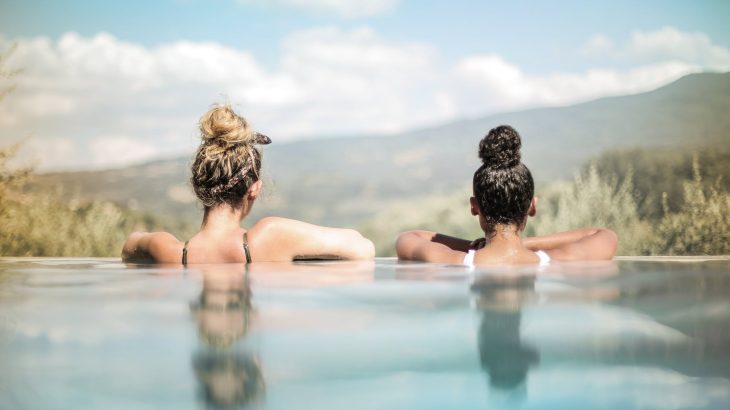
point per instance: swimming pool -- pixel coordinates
(634, 333)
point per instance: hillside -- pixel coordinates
(345, 181)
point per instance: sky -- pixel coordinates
(105, 84)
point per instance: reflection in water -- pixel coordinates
(223, 309)
(503, 355)
(629, 334)
(228, 376)
(228, 379)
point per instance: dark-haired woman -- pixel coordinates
(503, 199)
(225, 177)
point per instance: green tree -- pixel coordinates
(701, 226)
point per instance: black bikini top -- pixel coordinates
(245, 249)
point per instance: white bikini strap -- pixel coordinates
(469, 258)
(544, 258)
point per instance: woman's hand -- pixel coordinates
(478, 243)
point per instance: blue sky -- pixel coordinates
(108, 83)
(538, 35)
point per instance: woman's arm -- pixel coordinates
(431, 247)
(578, 244)
(150, 247)
(278, 239)
(135, 248)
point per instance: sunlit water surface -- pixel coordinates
(649, 333)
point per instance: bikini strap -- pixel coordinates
(544, 258)
(185, 254)
(469, 257)
(245, 247)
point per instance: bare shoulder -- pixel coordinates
(269, 223)
(276, 223)
(277, 229)
(271, 238)
(276, 238)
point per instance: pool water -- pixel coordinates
(648, 333)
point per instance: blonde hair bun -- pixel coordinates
(221, 125)
(227, 161)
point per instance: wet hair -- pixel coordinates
(226, 163)
(503, 186)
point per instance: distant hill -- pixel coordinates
(345, 181)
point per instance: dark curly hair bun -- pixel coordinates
(500, 148)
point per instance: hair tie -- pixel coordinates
(231, 182)
(261, 139)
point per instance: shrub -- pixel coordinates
(593, 200)
(45, 225)
(701, 227)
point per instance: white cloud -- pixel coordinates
(343, 8)
(664, 44)
(339, 79)
(115, 150)
(670, 43)
(42, 104)
(328, 81)
(48, 150)
(489, 83)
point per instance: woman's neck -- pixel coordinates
(505, 236)
(222, 218)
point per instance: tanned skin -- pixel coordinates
(220, 239)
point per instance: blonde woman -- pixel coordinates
(225, 178)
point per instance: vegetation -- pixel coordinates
(660, 172)
(612, 191)
(46, 225)
(593, 200)
(701, 226)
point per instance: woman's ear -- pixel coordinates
(254, 190)
(474, 206)
(533, 207)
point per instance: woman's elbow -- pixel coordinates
(403, 244)
(133, 245)
(364, 247)
(368, 249)
(611, 242)
(608, 244)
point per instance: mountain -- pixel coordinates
(345, 181)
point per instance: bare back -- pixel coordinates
(270, 239)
